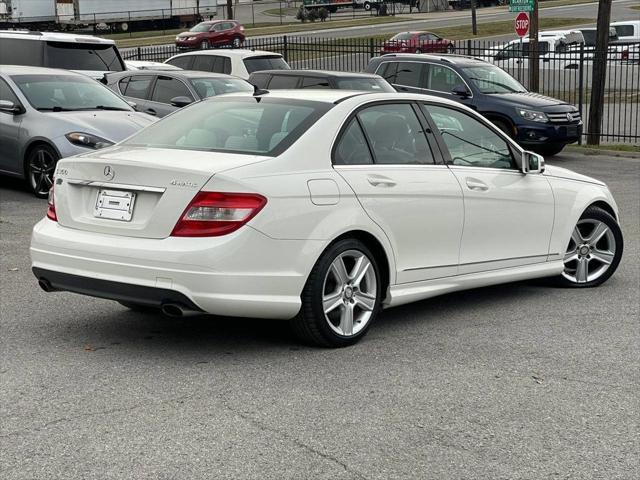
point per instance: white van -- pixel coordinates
(92, 56)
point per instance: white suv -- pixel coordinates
(240, 63)
(92, 56)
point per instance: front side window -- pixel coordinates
(244, 125)
(67, 93)
(167, 88)
(209, 87)
(442, 79)
(83, 56)
(352, 148)
(364, 84)
(203, 63)
(137, 86)
(395, 134)
(470, 142)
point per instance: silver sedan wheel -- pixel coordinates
(41, 168)
(349, 293)
(591, 251)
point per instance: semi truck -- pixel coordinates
(120, 15)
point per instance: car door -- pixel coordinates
(385, 153)
(508, 216)
(440, 80)
(219, 37)
(10, 133)
(164, 90)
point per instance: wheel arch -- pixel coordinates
(604, 206)
(491, 116)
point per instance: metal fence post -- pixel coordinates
(285, 48)
(469, 47)
(139, 53)
(371, 48)
(581, 90)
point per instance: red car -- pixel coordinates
(212, 34)
(417, 42)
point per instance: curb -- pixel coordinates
(599, 151)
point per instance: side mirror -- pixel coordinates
(133, 105)
(532, 162)
(10, 107)
(181, 101)
(461, 91)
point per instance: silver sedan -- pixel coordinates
(48, 114)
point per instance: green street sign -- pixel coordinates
(521, 5)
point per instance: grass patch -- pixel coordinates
(635, 7)
(124, 41)
(559, 3)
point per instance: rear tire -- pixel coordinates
(40, 165)
(341, 298)
(594, 250)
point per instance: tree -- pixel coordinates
(229, 9)
(599, 73)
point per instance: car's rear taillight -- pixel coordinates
(212, 214)
(625, 54)
(51, 207)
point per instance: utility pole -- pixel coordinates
(474, 21)
(599, 73)
(229, 9)
(534, 59)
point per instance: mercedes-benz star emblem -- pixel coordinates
(109, 172)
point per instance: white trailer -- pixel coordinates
(27, 11)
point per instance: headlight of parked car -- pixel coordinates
(533, 116)
(87, 140)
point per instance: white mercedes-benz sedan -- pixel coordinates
(321, 207)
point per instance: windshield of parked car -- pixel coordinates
(83, 56)
(492, 79)
(237, 124)
(208, 87)
(61, 93)
(201, 27)
(365, 84)
(265, 62)
(402, 36)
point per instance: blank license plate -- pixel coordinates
(572, 130)
(115, 205)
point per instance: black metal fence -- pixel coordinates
(565, 74)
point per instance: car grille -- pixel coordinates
(565, 117)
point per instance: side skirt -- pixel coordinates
(412, 292)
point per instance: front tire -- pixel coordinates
(341, 298)
(204, 45)
(594, 250)
(40, 166)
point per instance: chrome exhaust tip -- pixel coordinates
(176, 310)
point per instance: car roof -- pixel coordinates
(236, 52)
(28, 70)
(170, 73)
(54, 37)
(445, 58)
(319, 73)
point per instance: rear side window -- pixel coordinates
(352, 148)
(283, 81)
(122, 84)
(624, 30)
(265, 62)
(18, 51)
(167, 88)
(260, 80)
(408, 74)
(181, 62)
(138, 86)
(203, 63)
(83, 56)
(315, 82)
(365, 84)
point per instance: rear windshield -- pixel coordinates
(266, 62)
(365, 84)
(83, 56)
(209, 87)
(246, 125)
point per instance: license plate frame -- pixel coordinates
(114, 204)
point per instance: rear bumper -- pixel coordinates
(244, 274)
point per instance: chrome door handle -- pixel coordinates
(476, 185)
(151, 111)
(381, 182)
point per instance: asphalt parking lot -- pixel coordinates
(520, 381)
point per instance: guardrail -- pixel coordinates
(566, 75)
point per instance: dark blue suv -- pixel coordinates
(539, 123)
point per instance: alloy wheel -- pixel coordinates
(349, 293)
(590, 253)
(42, 165)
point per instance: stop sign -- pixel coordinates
(522, 24)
